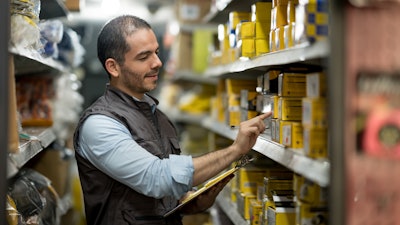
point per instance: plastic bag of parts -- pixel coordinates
(24, 24)
(12, 215)
(35, 199)
(52, 33)
(70, 50)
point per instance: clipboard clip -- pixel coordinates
(243, 161)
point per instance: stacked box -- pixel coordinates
(292, 134)
(314, 117)
(312, 20)
(192, 11)
(261, 16)
(311, 201)
(248, 104)
(234, 88)
(202, 40)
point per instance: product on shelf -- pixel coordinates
(25, 33)
(34, 197)
(34, 100)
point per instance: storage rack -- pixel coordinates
(26, 62)
(316, 170)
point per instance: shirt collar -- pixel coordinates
(148, 100)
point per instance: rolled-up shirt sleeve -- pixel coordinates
(109, 146)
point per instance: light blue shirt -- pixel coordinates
(109, 146)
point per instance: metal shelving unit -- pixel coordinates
(40, 138)
(189, 76)
(316, 170)
(300, 54)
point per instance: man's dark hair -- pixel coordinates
(111, 42)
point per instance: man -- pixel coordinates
(128, 151)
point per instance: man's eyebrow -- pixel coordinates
(146, 52)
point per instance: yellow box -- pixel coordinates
(282, 2)
(243, 204)
(290, 108)
(246, 114)
(281, 15)
(248, 99)
(315, 112)
(298, 181)
(234, 117)
(248, 47)
(280, 38)
(261, 11)
(234, 86)
(262, 30)
(234, 101)
(255, 212)
(292, 84)
(316, 85)
(312, 193)
(288, 35)
(266, 203)
(275, 106)
(262, 46)
(249, 178)
(315, 142)
(272, 41)
(202, 39)
(281, 216)
(274, 125)
(291, 12)
(292, 134)
(236, 17)
(308, 213)
(248, 30)
(276, 183)
(278, 131)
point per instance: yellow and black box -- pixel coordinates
(292, 84)
(311, 214)
(292, 134)
(276, 183)
(315, 142)
(243, 204)
(255, 212)
(281, 216)
(315, 112)
(249, 178)
(290, 108)
(316, 85)
(312, 193)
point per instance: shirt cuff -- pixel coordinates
(182, 169)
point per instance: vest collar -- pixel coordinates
(153, 102)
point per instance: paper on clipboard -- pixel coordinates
(242, 162)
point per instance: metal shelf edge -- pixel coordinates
(28, 150)
(313, 169)
(231, 211)
(296, 54)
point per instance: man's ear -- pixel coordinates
(112, 67)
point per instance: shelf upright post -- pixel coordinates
(336, 110)
(4, 92)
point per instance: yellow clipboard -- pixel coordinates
(242, 162)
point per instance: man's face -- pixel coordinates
(139, 73)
